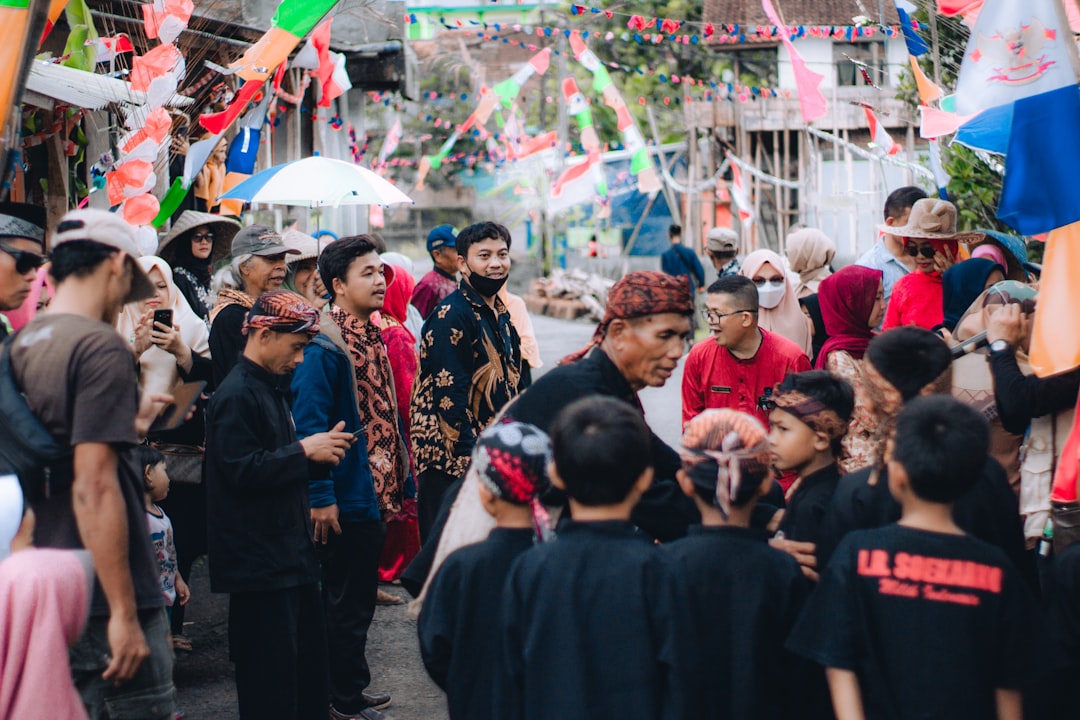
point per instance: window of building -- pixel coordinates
(846, 59)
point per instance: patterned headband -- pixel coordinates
(736, 442)
(282, 311)
(511, 460)
(811, 412)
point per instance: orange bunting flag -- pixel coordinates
(1055, 342)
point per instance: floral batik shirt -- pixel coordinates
(470, 367)
(375, 395)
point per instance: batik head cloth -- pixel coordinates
(282, 311)
(641, 293)
(511, 460)
(728, 448)
(812, 412)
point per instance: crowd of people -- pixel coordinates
(857, 523)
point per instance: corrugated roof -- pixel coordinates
(85, 89)
(797, 12)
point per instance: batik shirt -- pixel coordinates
(470, 366)
(375, 394)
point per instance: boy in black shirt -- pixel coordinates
(900, 365)
(917, 619)
(588, 619)
(458, 626)
(809, 417)
(739, 596)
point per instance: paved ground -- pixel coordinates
(204, 677)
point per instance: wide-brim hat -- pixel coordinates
(932, 219)
(224, 229)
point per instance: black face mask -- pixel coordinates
(488, 287)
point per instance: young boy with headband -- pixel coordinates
(739, 596)
(460, 640)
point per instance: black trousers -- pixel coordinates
(350, 572)
(186, 507)
(431, 488)
(277, 639)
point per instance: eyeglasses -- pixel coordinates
(203, 237)
(25, 261)
(927, 251)
(714, 317)
(762, 282)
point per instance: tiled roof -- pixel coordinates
(797, 12)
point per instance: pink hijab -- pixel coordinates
(787, 318)
(21, 316)
(44, 597)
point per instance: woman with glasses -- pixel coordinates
(930, 237)
(779, 305)
(196, 243)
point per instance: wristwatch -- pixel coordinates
(1000, 347)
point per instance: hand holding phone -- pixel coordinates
(165, 317)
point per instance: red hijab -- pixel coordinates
(398, 292)
(846, 299)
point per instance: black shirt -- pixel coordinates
(1059, 653)
(740, 599)
(932, 624)
(226, 340)
(989, 512)
(1022, 397)
(590, 629)
(257, 487)
(664, 512)
(459, 633)
(804, 519)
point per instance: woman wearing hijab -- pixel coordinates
(972, 378)
(44, 600)
(811, 308)
(167, 357)
(302, 271)
(852, 303)
(963, 283)
(196, 243)
(810, 253)
(402, 531)
(778, 304)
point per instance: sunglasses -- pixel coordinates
(203, 237)
(25, 261)
(927, 251)
(762, 282)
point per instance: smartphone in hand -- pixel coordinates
(165, 317)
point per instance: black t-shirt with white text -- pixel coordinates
(932, 624)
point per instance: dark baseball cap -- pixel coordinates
(441, 236)
(260, 240)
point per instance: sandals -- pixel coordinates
(181, 643)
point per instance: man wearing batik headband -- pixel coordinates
(900, 365)
(261, 544)
(460, 636)
(735, 640)
(809, 416)
(637, 345)
(22, 248)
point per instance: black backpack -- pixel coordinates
(27, 449)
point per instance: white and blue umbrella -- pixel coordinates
(317, 182)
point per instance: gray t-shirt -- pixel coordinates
(79, 378)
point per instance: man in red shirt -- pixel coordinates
(434, 287)
(739, 365)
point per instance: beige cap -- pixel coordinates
(110, 229)
(722, 240)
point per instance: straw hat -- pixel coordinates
(224, 229)
(309, 247)
(932, 219)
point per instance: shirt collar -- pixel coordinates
(446, 275)
(613, 377)
(280, 383)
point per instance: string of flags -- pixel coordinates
(642, 29)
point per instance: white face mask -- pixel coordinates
(770, 295)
